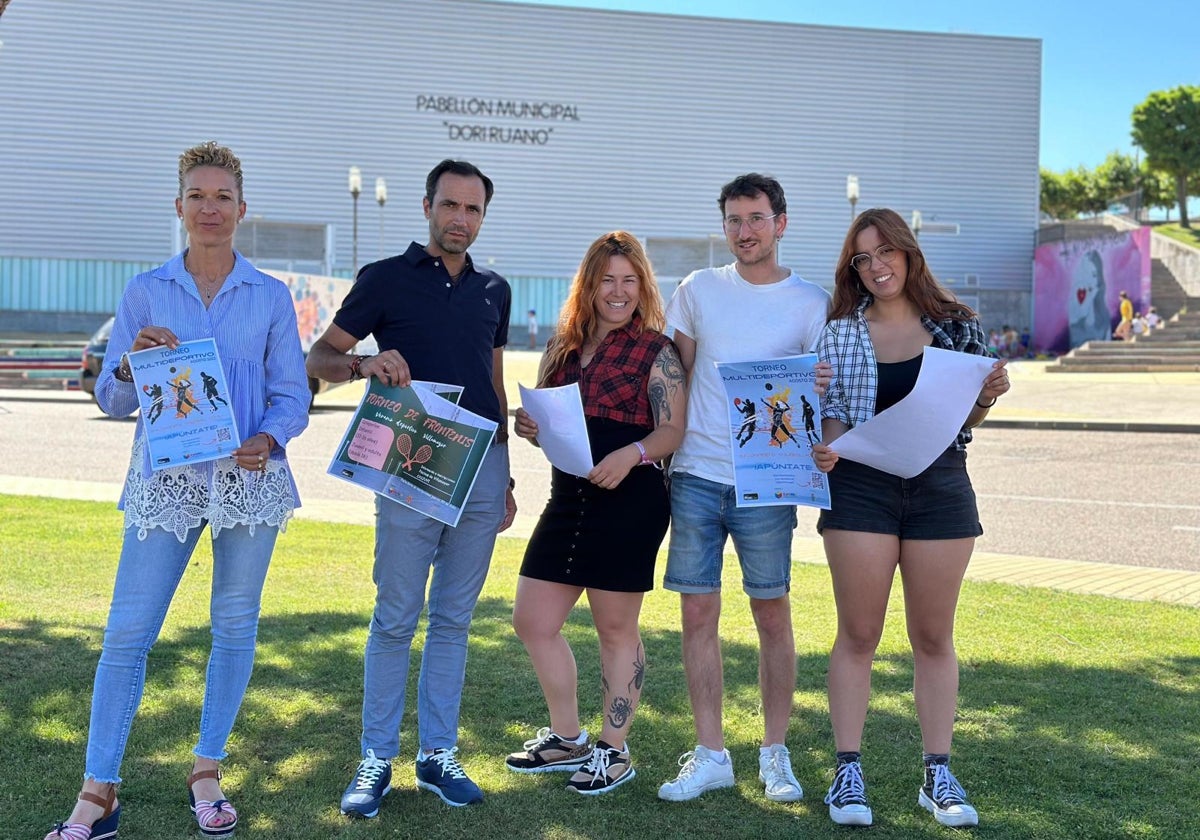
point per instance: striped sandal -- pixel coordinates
(104, 828)
(209, 815)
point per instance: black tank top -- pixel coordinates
(896, 381)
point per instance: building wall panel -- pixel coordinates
(98, 100)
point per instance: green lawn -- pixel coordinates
(1188, 236)
(1078, 714)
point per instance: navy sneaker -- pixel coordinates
(372, 781)
(442, 774)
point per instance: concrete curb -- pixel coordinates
(1080, 425)
(1059, 425)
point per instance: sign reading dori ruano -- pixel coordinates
(468, 113)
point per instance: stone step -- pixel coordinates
(1141, 355)
(1184, 334)
(1141, 345)
(1112, 367)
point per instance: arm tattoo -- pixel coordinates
(664, 382)
(660, 406)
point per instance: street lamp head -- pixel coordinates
(380, 191)
(916, 222)
(355, 181)
(852, 188)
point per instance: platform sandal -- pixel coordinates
(104, 828)
(208, 813)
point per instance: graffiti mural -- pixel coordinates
(1077, 286)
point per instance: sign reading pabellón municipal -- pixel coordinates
(467, 115)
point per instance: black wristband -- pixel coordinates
(989, 405)
(355, 363)
(512, 483)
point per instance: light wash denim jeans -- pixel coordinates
(147, 577)
(703, 515)
(408, 545)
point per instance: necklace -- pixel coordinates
(206, 285)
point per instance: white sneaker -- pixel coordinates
(700, 772)
(775, 770)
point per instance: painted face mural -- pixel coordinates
(1085, 286)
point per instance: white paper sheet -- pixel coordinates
(906, 438)
(562, 430)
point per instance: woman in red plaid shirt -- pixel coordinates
(601, 534)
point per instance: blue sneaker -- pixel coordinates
(372, 781)
(442, 774)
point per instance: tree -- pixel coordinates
(1158, 190)
(1167, 127)
(1083, 191)
(1117, 180)
(1054, 198)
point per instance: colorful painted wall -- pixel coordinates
(1077, 286)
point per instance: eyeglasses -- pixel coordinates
(884, 253)
(756, 221)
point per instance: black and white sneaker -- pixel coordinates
(372, 781)
(549, 752)
(847, 797)
(608, 768)
(945, 798)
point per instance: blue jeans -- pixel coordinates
(703, 515)
(408, 545)
(147, 577)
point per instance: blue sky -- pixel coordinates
(1099, 58)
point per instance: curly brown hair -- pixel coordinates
(921, 287)
(578, 316)
(211, 153)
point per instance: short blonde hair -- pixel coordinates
(210, 153)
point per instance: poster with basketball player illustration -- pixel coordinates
(414, 447)
(774, 420)
(184, 399)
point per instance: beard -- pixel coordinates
(449, 244)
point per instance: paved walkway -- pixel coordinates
(1125, 402)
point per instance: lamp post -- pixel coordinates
(355, 190)
(852, 193)
(381, 197)
(916, 223)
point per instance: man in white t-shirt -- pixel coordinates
(752, 309)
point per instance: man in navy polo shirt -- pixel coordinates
(435, 317)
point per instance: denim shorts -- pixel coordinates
(703, 514)
(938, 504)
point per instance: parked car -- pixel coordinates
(93, 357)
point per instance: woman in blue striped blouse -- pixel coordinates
(208, 291)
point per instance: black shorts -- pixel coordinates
(938, 504)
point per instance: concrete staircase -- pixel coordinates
(1166, 293)
(1173, 347)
